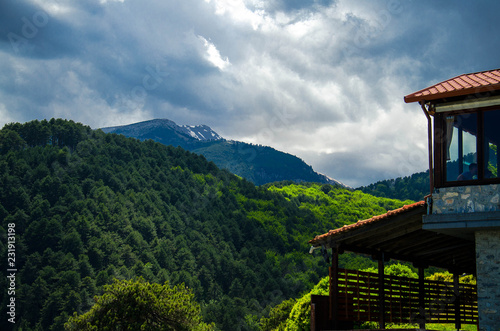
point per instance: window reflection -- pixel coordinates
(491, 141)
(461, 145)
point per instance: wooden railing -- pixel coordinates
(358, 300)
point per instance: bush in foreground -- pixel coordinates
(139, 305)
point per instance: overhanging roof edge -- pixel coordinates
(370, 221)
(462, 85)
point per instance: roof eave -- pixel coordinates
(316, 241)
(477, 92)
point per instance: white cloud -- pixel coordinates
(213, 56)
(106, 1)
(54, 7)
(239, 13)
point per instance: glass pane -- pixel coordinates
(491, 141)
(461, 144)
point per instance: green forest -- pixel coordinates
(414, 187)
(91, 209)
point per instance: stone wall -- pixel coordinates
(466, 199)
(478, 199)
(488, 277)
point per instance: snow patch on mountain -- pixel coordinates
(198, 132)
(201, 132)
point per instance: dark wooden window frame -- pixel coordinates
(440, 148)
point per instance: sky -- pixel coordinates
(321, 79)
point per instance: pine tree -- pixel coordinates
(139, 305)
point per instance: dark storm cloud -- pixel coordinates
(11, 14)
(27, 30)
(324, 80)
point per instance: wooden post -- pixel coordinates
(460, 151)
(313, 317)
(498, 159)
(381, 291)
(421, 297)
(334, 288)
(456, 290)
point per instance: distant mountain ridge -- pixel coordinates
(148, 129)
(258, 164)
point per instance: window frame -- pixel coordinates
(440, 148)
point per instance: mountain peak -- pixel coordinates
(258, 164)
(152, 127)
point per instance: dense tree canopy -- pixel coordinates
(139, 305)
(90, 207)
(414, 187)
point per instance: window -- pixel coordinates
(467, 150)
(461, 147)
(491, 141)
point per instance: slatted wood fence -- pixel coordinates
(358, 299)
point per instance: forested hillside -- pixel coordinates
(259, 164)
(414, 187)
(88, 207)
(256, 163)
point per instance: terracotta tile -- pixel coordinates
(484, 81)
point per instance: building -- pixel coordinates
(456, 227)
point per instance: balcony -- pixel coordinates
(362, 297)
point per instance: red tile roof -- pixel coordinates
(479, 82)
(362, 223)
